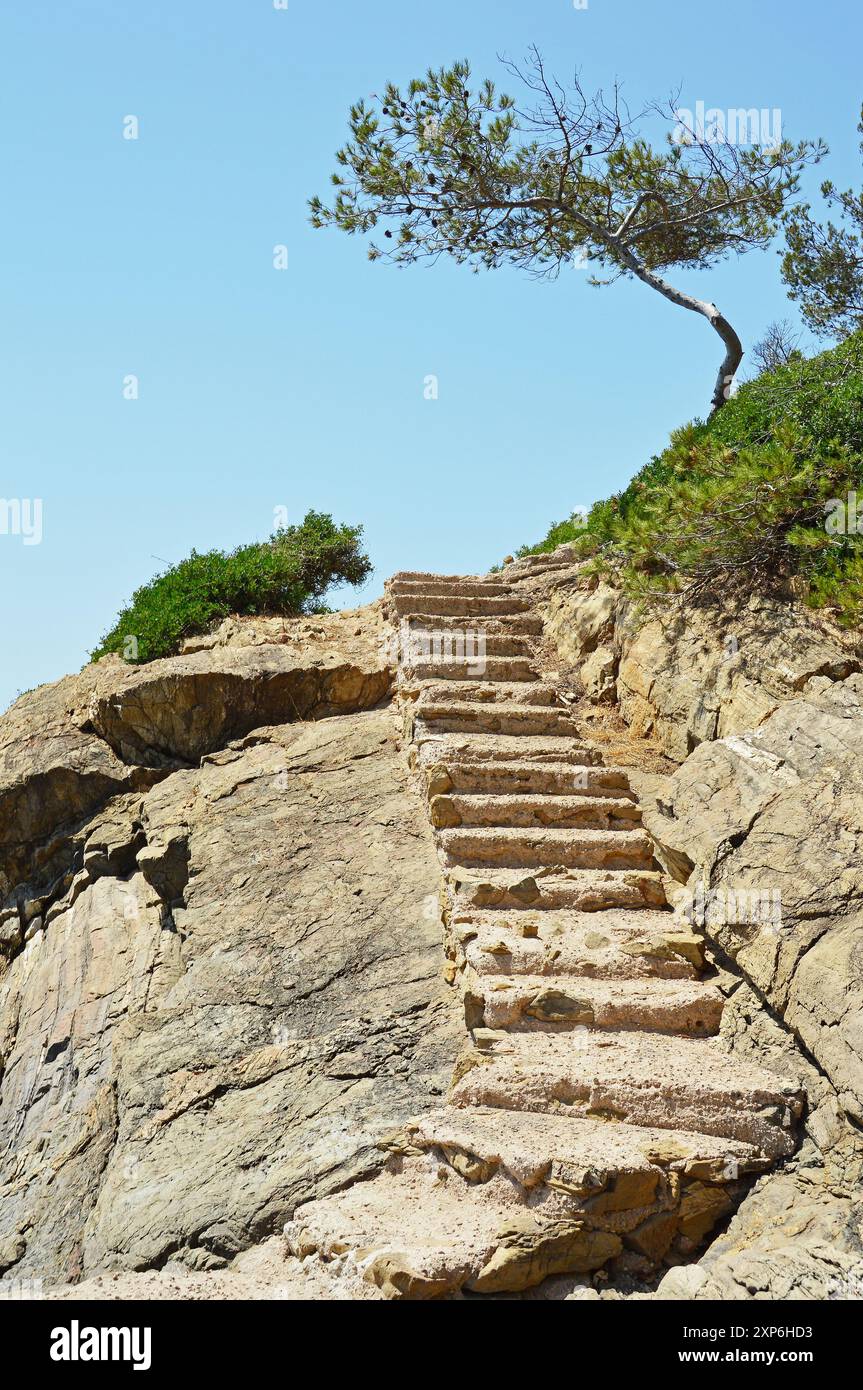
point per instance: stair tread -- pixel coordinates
(411, 676)
(533, 694)
(540, 848)
(524, 1142)
(652, 1005)
(637, 1078)
(533, 810)
(482, 747)
(616, 943)
(593, 988)
(493, 625)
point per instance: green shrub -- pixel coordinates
(740, 499)
(288, 574)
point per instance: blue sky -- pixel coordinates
(304, 388)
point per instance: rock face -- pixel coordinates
(685, 678)
(69, 746)
(233, 983)
(760, 831)
(772, 823)
(797, 1237)
(404, 979)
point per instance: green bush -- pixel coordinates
(740, 499)
(288, 574)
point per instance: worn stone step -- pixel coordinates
(575, 890)
(501, 644)
(493, 1202)
(421, 576)
(535, 1004)
(634, 1078)
(616, 944)
(483, 691)
(456, 717)
(418, 1234)
(528, 778)
(482, 588)
(574, 849)
(466, 669)
(458, 605)
(503, 625)
(558, 812)
(584, 1157)
(435, 746)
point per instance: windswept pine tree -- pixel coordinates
(449, 167)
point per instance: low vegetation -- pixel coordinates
(764, 492)
(288, 574)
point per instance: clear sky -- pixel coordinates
(303, 388)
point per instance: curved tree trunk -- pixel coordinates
(733, 346)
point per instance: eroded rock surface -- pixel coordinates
(686, 677)
(236, 985)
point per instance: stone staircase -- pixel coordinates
(593, 1118)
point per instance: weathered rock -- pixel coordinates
(190, 1051)
(53, 775)
(66, 748)
(793, 1238)
(598, 672)
(181, 708)
(734, 818)
(688, 676)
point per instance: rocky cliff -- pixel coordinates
(227, 956)
(757, 709)
(221, 972)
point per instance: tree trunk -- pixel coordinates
(733, 346)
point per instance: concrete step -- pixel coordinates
(637, 1079)
(531, 811)
(616, 944)
(435, 746)
(494, 1202)
(529, 778)
(575, 890)
(458, 605)
(573, 849)
(461, 717)
(531, 1003)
